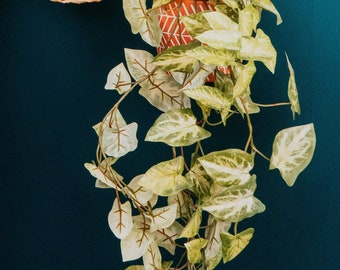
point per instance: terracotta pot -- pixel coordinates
(173, 30)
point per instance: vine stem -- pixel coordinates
(272, 105)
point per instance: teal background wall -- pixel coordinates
(53, 65)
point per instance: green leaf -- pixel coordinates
(244, 78)
(211, 97)
(234, 244)
(118, 141)
(152, 258)
(249, 17)
(212, 56)
(192, 227)
(292, 91)
(293, 149)
(228, 167)
(234, 203)
(268, 5)
(176, 59)
(221, 39)
(219, 21)
(118, 79)
(166, 237)
(162, 217)
(176, 127)
(194, 248)
(120, 219)
(160, 89)
(165, 178)
(231, 3)
(259, 48)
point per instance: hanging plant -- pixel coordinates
(205, 195)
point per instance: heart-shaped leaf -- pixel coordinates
(120, 219)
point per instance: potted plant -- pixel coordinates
(191, 204)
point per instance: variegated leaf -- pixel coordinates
(166, 178)
(293, 149)
(177, 127)
(244, 104)
(162, 217)
(249, 17)
(220, 21)
(194, 248)
(118, 142)
(184, 203)
(119, 79)
(152, 258)
(234, 203)
(192, 227)
(166, 237)
(221, 39)
(244, 78)
(212, 56)
(234, 244)
(120, 219)
(211, 97)
(195, 24)
(293, 91)
(176, 59)
(212, 234)
(159, 3)
(197, 78)
(135, 267)
(228, 167)
(259, 48)
(231, 3)
(138, 192)
(268, 5)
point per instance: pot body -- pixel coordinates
(173, 30)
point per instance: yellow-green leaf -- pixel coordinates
(221, 39)
(177, 127)
(293, 149)
(220, 21)
(259, 48)
(192, 227)
(194, 248)
(159, 3)
(249, 17)
(293, 91)
(195, 24)
(165, 178)
(244, 78)
(268, 5)
(234, 244)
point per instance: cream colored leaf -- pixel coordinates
(184, 203)
(228, 167)
(165, 178)
(249, 17)
(120, 219)
(192, 227)
(152, 258)
(119, 79)
(75, 1)
(268, 5)
(259, 48)
(103, 175)
(138, 192)
(176, 127)
(293, 91)
(234, 244)
(212, 234)
(118, 142)
(293, 149)
(137, 242)
(221, 39)
(166, 237)
(135, 14)
(159, 3)
(194, 248)
(162, 217)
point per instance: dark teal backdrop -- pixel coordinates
(54, 62)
